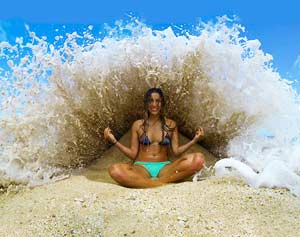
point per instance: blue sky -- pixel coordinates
(275, 23)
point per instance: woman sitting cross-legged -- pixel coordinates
(150, 139)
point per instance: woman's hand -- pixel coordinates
(199, 134)
(109, 136)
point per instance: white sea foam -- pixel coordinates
(58, 98)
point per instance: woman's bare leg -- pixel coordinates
(132, 176)
(182, 168)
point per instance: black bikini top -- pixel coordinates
(144, 140)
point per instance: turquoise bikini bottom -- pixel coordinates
(153, 167)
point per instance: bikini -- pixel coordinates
(153, 167)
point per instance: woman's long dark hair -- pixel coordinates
(147, 101)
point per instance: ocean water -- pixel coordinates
(60, 90)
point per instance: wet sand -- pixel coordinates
(89, 203)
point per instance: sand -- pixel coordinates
(89, 203)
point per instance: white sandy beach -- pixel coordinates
(89, 203)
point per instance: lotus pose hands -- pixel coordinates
(109, 136)
(199, 135)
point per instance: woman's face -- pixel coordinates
(154, 104)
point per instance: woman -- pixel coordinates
(150, 139)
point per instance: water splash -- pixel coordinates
(57, 97)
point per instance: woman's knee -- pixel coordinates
(118, 172)
(196, 162)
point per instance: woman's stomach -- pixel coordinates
(152, 153)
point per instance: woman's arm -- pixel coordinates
(178, 150)
(131, 152)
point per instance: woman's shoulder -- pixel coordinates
(138, 123)
(170, 123)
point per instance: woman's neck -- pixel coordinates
(153, 119)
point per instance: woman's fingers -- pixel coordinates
(199, 132)
(107, 131)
